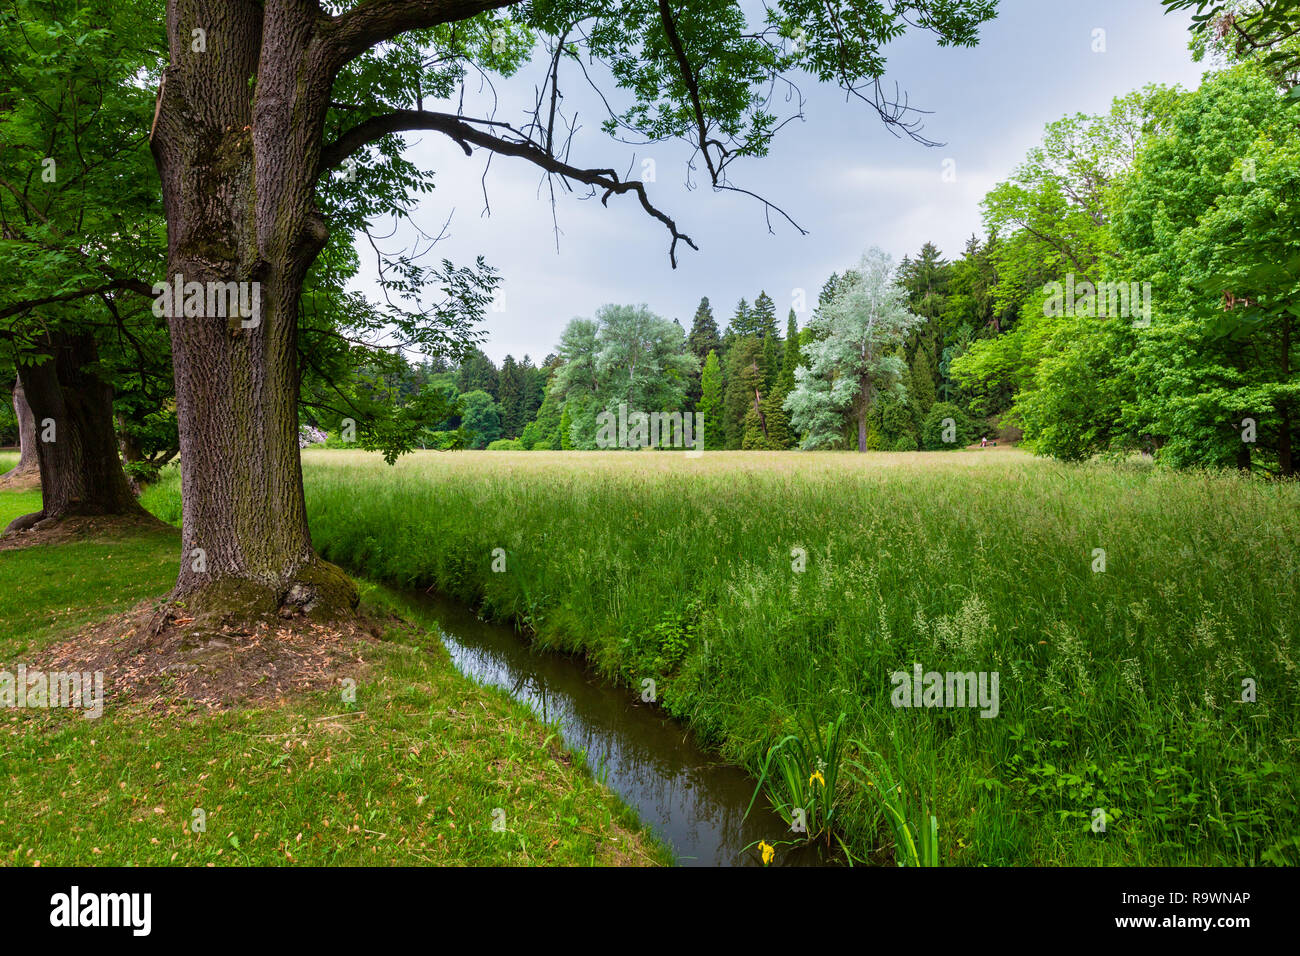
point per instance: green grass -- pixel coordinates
(1119, 691)
(63, 587)
(14, 504)
(408, 775)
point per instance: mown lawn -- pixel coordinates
(412, 773)
(761, 589)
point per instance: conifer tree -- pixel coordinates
(763, 317)
(771, 362)
(534, 387)
(793, 356)
(921, 392)
(710, 405)
(742, 323)
(703, 339)
(744, 376)
(776, 421)
(477, 372)
(511, 398)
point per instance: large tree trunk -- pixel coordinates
(28, 460)
(72, 410)
(237, 144)
(861, 409)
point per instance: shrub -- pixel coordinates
(934, 428)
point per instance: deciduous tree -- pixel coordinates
(851, 359)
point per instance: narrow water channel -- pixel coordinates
(690, 799)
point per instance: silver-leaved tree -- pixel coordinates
(851, 359)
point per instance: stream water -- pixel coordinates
(690, 799)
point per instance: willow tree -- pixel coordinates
(261, 99)
(853, 356)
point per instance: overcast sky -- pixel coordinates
(839, 173)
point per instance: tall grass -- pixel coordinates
(1121, 690)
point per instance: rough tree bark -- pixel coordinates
(28, 462)
(72, 411)
(237, 143)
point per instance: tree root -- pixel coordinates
(319, 590)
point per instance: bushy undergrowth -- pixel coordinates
(762, 590)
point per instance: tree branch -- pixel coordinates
(351, 34)
(130, 285)
(468, 135)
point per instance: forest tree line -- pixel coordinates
(1187, 196)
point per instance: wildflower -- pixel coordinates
(817, 775)
(767, 850)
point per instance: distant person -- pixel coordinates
(984, 442)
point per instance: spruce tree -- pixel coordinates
(760, 322)
(744, 377)
(534, 388)
(921, 392)
(703, 339)
(793, 356)
(754, 437)
(763, 317)
(779, 435)
(704, 336)
(511, 398)
(477, 372)
(771, 361)
(742, 322)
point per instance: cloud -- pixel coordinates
(844, 178)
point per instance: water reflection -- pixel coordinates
(686, 796)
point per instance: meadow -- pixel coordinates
(410, 773)
(1127, 611)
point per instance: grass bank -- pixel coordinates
(409, 774)
(758, 589)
